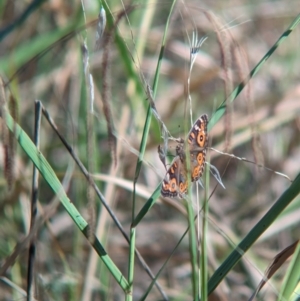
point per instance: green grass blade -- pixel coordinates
(284, 200)
(221, 109)
(50, 177)
(151, 201)
(193, 249)
(203, 258)
(149, 112)
(131, 263)
(296, 293)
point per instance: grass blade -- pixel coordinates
(50, 177)
(284, 200)
(292, 277)
(221, 109)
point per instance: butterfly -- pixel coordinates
(175, 182)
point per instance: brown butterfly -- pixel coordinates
(175, 182)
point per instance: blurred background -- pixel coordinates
(261, 125)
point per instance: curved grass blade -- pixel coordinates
(291, 278)
(284, 200)
(278, 261)
(50, 177)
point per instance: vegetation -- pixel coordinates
(85, 103)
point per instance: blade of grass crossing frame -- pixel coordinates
(34, 197)
(144, 143)
(100, 196)
(50, 177)
(284, 200)
(221, 109)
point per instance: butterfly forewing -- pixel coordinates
(198, 141)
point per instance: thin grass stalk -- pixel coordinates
(137, 171)
(203, 257)
(193, 248)
(34, 199)
(16, 288)
(173, 251)
(146, 132)
(164, 265)
(90, 146)
(148, 15)
(149, 111)
(284, 200)
(131, 264)
(102, 223)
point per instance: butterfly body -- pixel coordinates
(175, 182)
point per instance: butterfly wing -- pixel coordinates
(198, 137)
(175, 181)
(198, 141)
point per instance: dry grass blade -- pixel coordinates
(277, 262)
(9, 144)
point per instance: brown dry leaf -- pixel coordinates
(278, 261)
